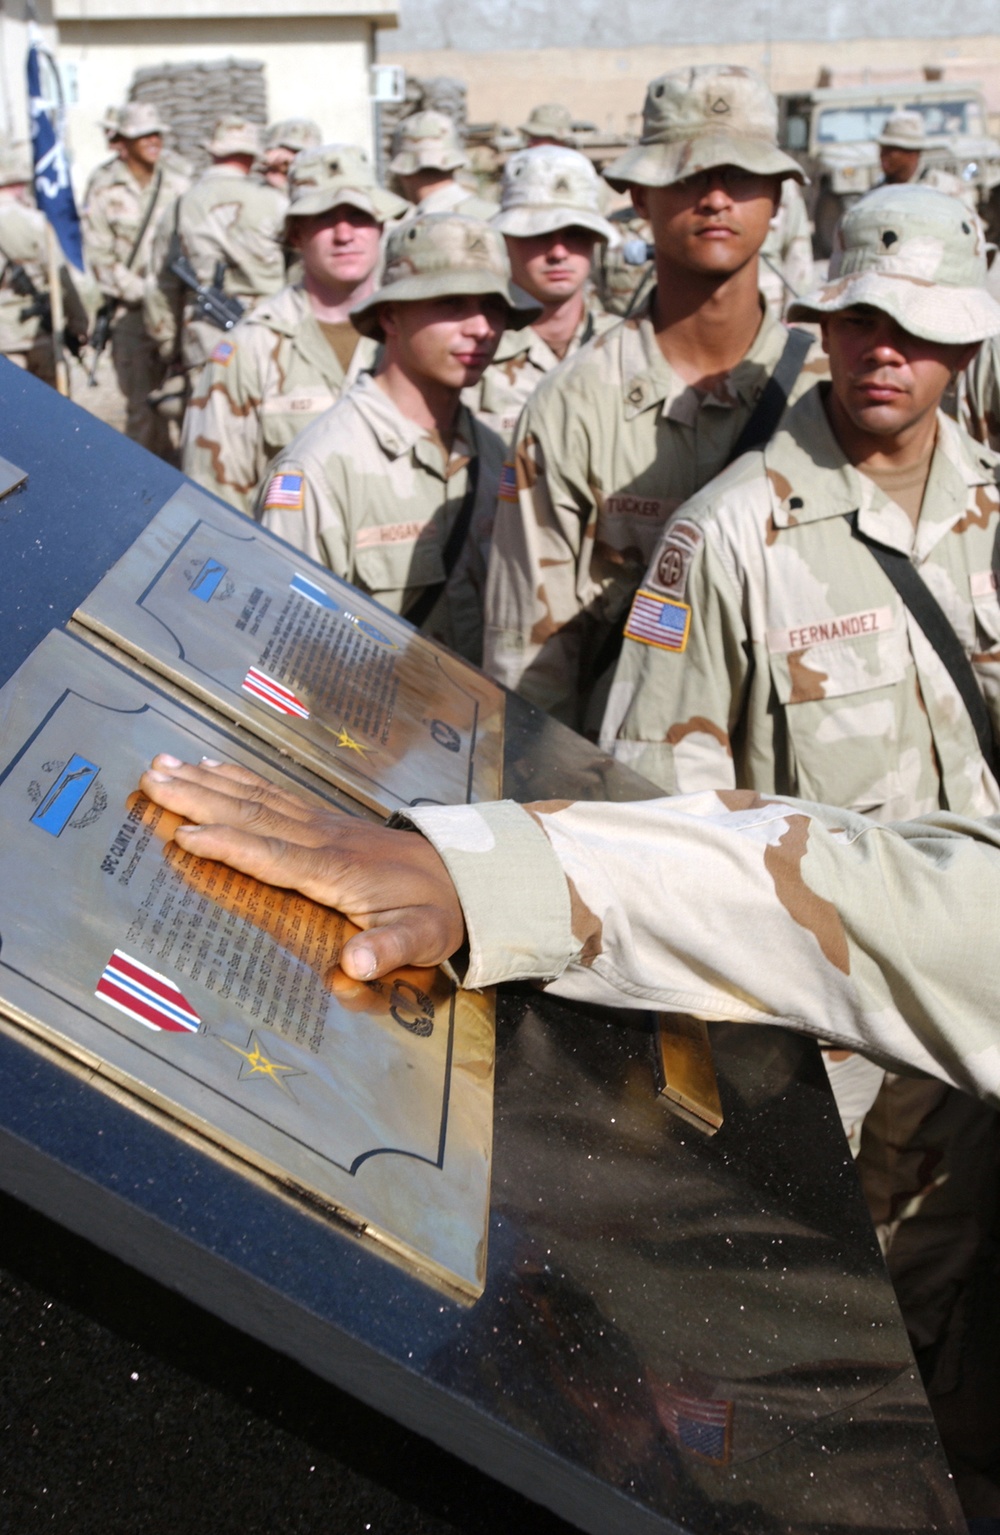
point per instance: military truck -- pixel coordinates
(832, 133)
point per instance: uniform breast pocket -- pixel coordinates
(841, 706)
(390, 563)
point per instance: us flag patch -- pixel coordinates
(702, 1425)
(508, 483)
(145, 995)
(659, 621)
(270, 692)
(286, 492)
(223, 353)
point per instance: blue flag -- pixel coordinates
(53, 188)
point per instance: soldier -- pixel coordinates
(901, 146)
(612, 443)
(425, 154)
(119, 224)
(549, 219)
(394, 488)
(25, 317)
(785, 639)
(549, 124)
(109, 122)
(786, 256)
(291, 358)
(282, 142)
(226, 219)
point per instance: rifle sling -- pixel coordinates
(421, 610)
(759, 429)
(921, 602)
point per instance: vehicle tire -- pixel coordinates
(829, 208)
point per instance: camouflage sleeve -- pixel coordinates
(980, 395)
(221, 446)
(163, 293)
(728, 906)
(540, 560)
(680, 677)
(298, 502)
(113, 276)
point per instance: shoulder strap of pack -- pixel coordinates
(157, 183)
(924, 606)
(774, 397)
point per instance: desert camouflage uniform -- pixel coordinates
(980, 393)
(787, 252)
(224, 217)
(522, 360)
(605, 451)
(452, 197)
(377, 502)
(23, 340)
(263, 384)
(112, 217)
(619, 283)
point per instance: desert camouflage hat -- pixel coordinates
(109, 122)
(234, 136)
(695, 119)
(320, 179)
(440, 255)
(550, 121)
(548, 188)
(293, 133)
(427, 141)
(15, 165)
(137, 118)
(904, 130)
(916, 254)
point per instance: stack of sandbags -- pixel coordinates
(192, 97)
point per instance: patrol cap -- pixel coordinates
(550, 121)
(15, 165)
(137, 118)
(546, 188)
(916, 254)
(293, 133)
(441, 255)
(319, 179)
(427, 141)
(904, 130)
(234, 136)
(695, 119)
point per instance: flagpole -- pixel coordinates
(56, 309)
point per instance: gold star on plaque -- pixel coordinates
(349, 743)
(256, 1064)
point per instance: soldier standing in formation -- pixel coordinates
(549, 218)
(549, 123)
(395, 487)
(119, 225)
(282, 142)
(901, 152)
(426, 154)
(293, 355)
(609, 446)
(225, 220)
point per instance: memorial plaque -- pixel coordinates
(217, 1000)
(220, 606)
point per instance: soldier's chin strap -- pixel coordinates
(922, 603)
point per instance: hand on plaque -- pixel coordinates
(392, 884)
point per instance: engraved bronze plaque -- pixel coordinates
(216, 1000)
(222, 607)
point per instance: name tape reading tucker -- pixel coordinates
(827, 631)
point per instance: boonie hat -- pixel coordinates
(550, 121)
(427, 141)
(293, 133)
(903, 130)
(15, 165)
(137, 118)
(916, 254)
(109, 122)
(320, 179)
(695, 119)
(234, 136)
(548, 188)
(440, 255)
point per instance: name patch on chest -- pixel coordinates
(393, 533)
(826, 631)
(983, 583)
(646, 508)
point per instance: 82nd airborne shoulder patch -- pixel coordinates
(659, 621)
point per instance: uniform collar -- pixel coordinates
(398, 436)
(648, 380)
(810, 479)
(528, 343)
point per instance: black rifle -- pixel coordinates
(20, 282)
(210, 300)
(99, 339)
